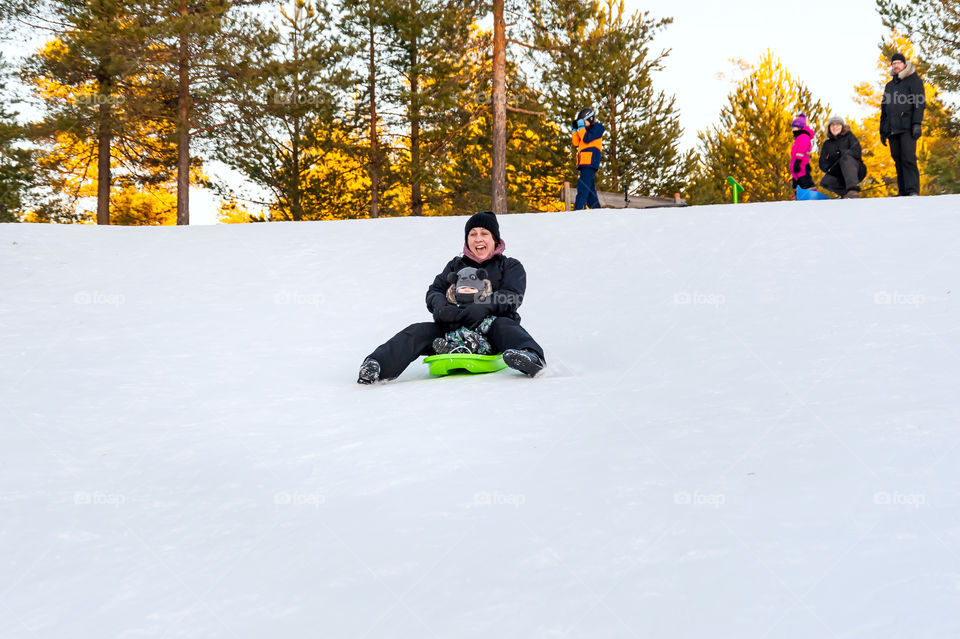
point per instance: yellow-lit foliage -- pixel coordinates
(535, 182)
(71, 164)
(142, 191)
(335, 187)
(231, 211)
(42, 215)
(152, 205)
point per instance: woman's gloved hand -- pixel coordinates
(446, 313)
(472, 314)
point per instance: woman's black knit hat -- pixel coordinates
(483, 219)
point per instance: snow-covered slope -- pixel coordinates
(749, 428)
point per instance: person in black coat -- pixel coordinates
(484, 248)
(841, 160)
(901, 120)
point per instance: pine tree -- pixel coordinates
(11, 10)
(197, 50)
(752, 140)
(81, 74)
(560, 34)
(362, 22)
(498, 151)
(286, 120)
(595, 54)
(934, 26)
(16, 168)
(17, 174)
(644, 124)
(97, 140)
(424, 42)
(534, 147)
(184, 38)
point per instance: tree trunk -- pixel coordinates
(104, 142)
(416, 190)
(296, 206)
(183, 123)
(499, 133)
(374, 166)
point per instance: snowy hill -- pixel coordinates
(748, 429)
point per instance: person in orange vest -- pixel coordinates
(587, 133)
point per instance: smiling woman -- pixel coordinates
(480, 243)
(482, 249)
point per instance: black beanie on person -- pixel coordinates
(486, 220)
(897, 56)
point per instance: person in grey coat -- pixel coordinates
(841, 160)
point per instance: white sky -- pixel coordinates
(829, 45)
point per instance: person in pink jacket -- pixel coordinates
(800, 153)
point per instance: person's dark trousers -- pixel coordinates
(506, 333)
(396, 353)
(846, 176)
(586, 190)
(416, 340)
(903, 150)
(805, 181)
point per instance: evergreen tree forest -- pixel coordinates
(324, 109)
(289, 110)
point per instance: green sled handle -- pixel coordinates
(737, 189)
(464, 363)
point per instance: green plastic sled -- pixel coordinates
(463, 363)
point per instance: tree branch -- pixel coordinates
(525, 111)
